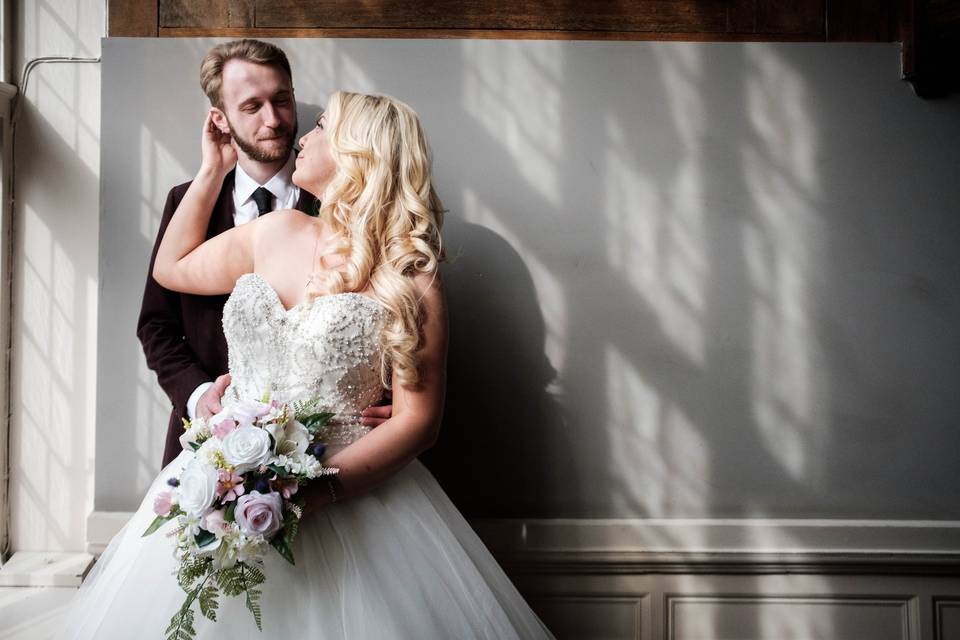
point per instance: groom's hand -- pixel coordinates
(376, 415)
(209, 403)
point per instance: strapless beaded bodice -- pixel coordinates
(328, 348)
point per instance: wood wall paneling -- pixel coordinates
(560, 15)
(132, 18)
(211, 14)
(801, 18)
(788, 617)
(860, 21)
(808, 20)
(592, 618)
(947, 615)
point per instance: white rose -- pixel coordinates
(290, 438)
(198, 488)
(246, 448)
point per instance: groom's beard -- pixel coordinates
(260, 152)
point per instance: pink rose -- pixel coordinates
(223, 428)
(162, 503)
(214, 523)
(259, 513)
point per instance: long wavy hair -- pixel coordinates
(382, 204)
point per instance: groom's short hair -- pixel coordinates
(256, 51)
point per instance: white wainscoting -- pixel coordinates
(713, 579)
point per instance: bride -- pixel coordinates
(335, 307)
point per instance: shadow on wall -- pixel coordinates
(501, 419)
(648, 317)
(53, 312)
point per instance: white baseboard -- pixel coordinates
(629, 546)
(620, 538)
(721, 536)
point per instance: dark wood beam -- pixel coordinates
(133, 18)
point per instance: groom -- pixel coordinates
(250, 84)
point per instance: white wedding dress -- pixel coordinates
(398, 562)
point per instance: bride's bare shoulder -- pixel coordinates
(281, 223)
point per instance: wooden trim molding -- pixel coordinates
(479, 34)
(133, 18)
(697, 20)
(908, 547)
(623, 546)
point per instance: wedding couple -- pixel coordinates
(339, 306)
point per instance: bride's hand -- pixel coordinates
(217, 150)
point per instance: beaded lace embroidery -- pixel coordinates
(328, 348)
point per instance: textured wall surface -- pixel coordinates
(686, 280)
(54, 318)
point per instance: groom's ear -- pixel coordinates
(220, 120)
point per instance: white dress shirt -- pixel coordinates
(280, 185)
(285, 193)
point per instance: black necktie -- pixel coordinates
(264, 200)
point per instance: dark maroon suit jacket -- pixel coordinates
(182, 334)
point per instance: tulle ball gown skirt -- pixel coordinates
(399, 562)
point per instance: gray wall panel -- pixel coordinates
(686, 279)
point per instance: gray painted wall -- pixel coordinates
(686, 280)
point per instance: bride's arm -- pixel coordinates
(415, 423)
(184, 261)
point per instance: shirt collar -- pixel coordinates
(280, 185)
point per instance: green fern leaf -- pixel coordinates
(208, 602)
(181, 625)
(253, 605)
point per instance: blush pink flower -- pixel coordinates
(163, 503)
(259, 514)
(215, 523)
(221, 429)
(285, 486)
(229, 485)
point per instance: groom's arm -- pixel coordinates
(160, 328)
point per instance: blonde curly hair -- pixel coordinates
(382, 204)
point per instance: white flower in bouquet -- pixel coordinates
(210, 452)
(223, 550)
(198, 431)
(304, 464)
(250, 550)
(246, 448)
(289, 438)
(198, 488)
(276, 412)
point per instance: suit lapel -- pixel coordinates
(222, 217)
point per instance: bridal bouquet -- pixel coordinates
(236, 498)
